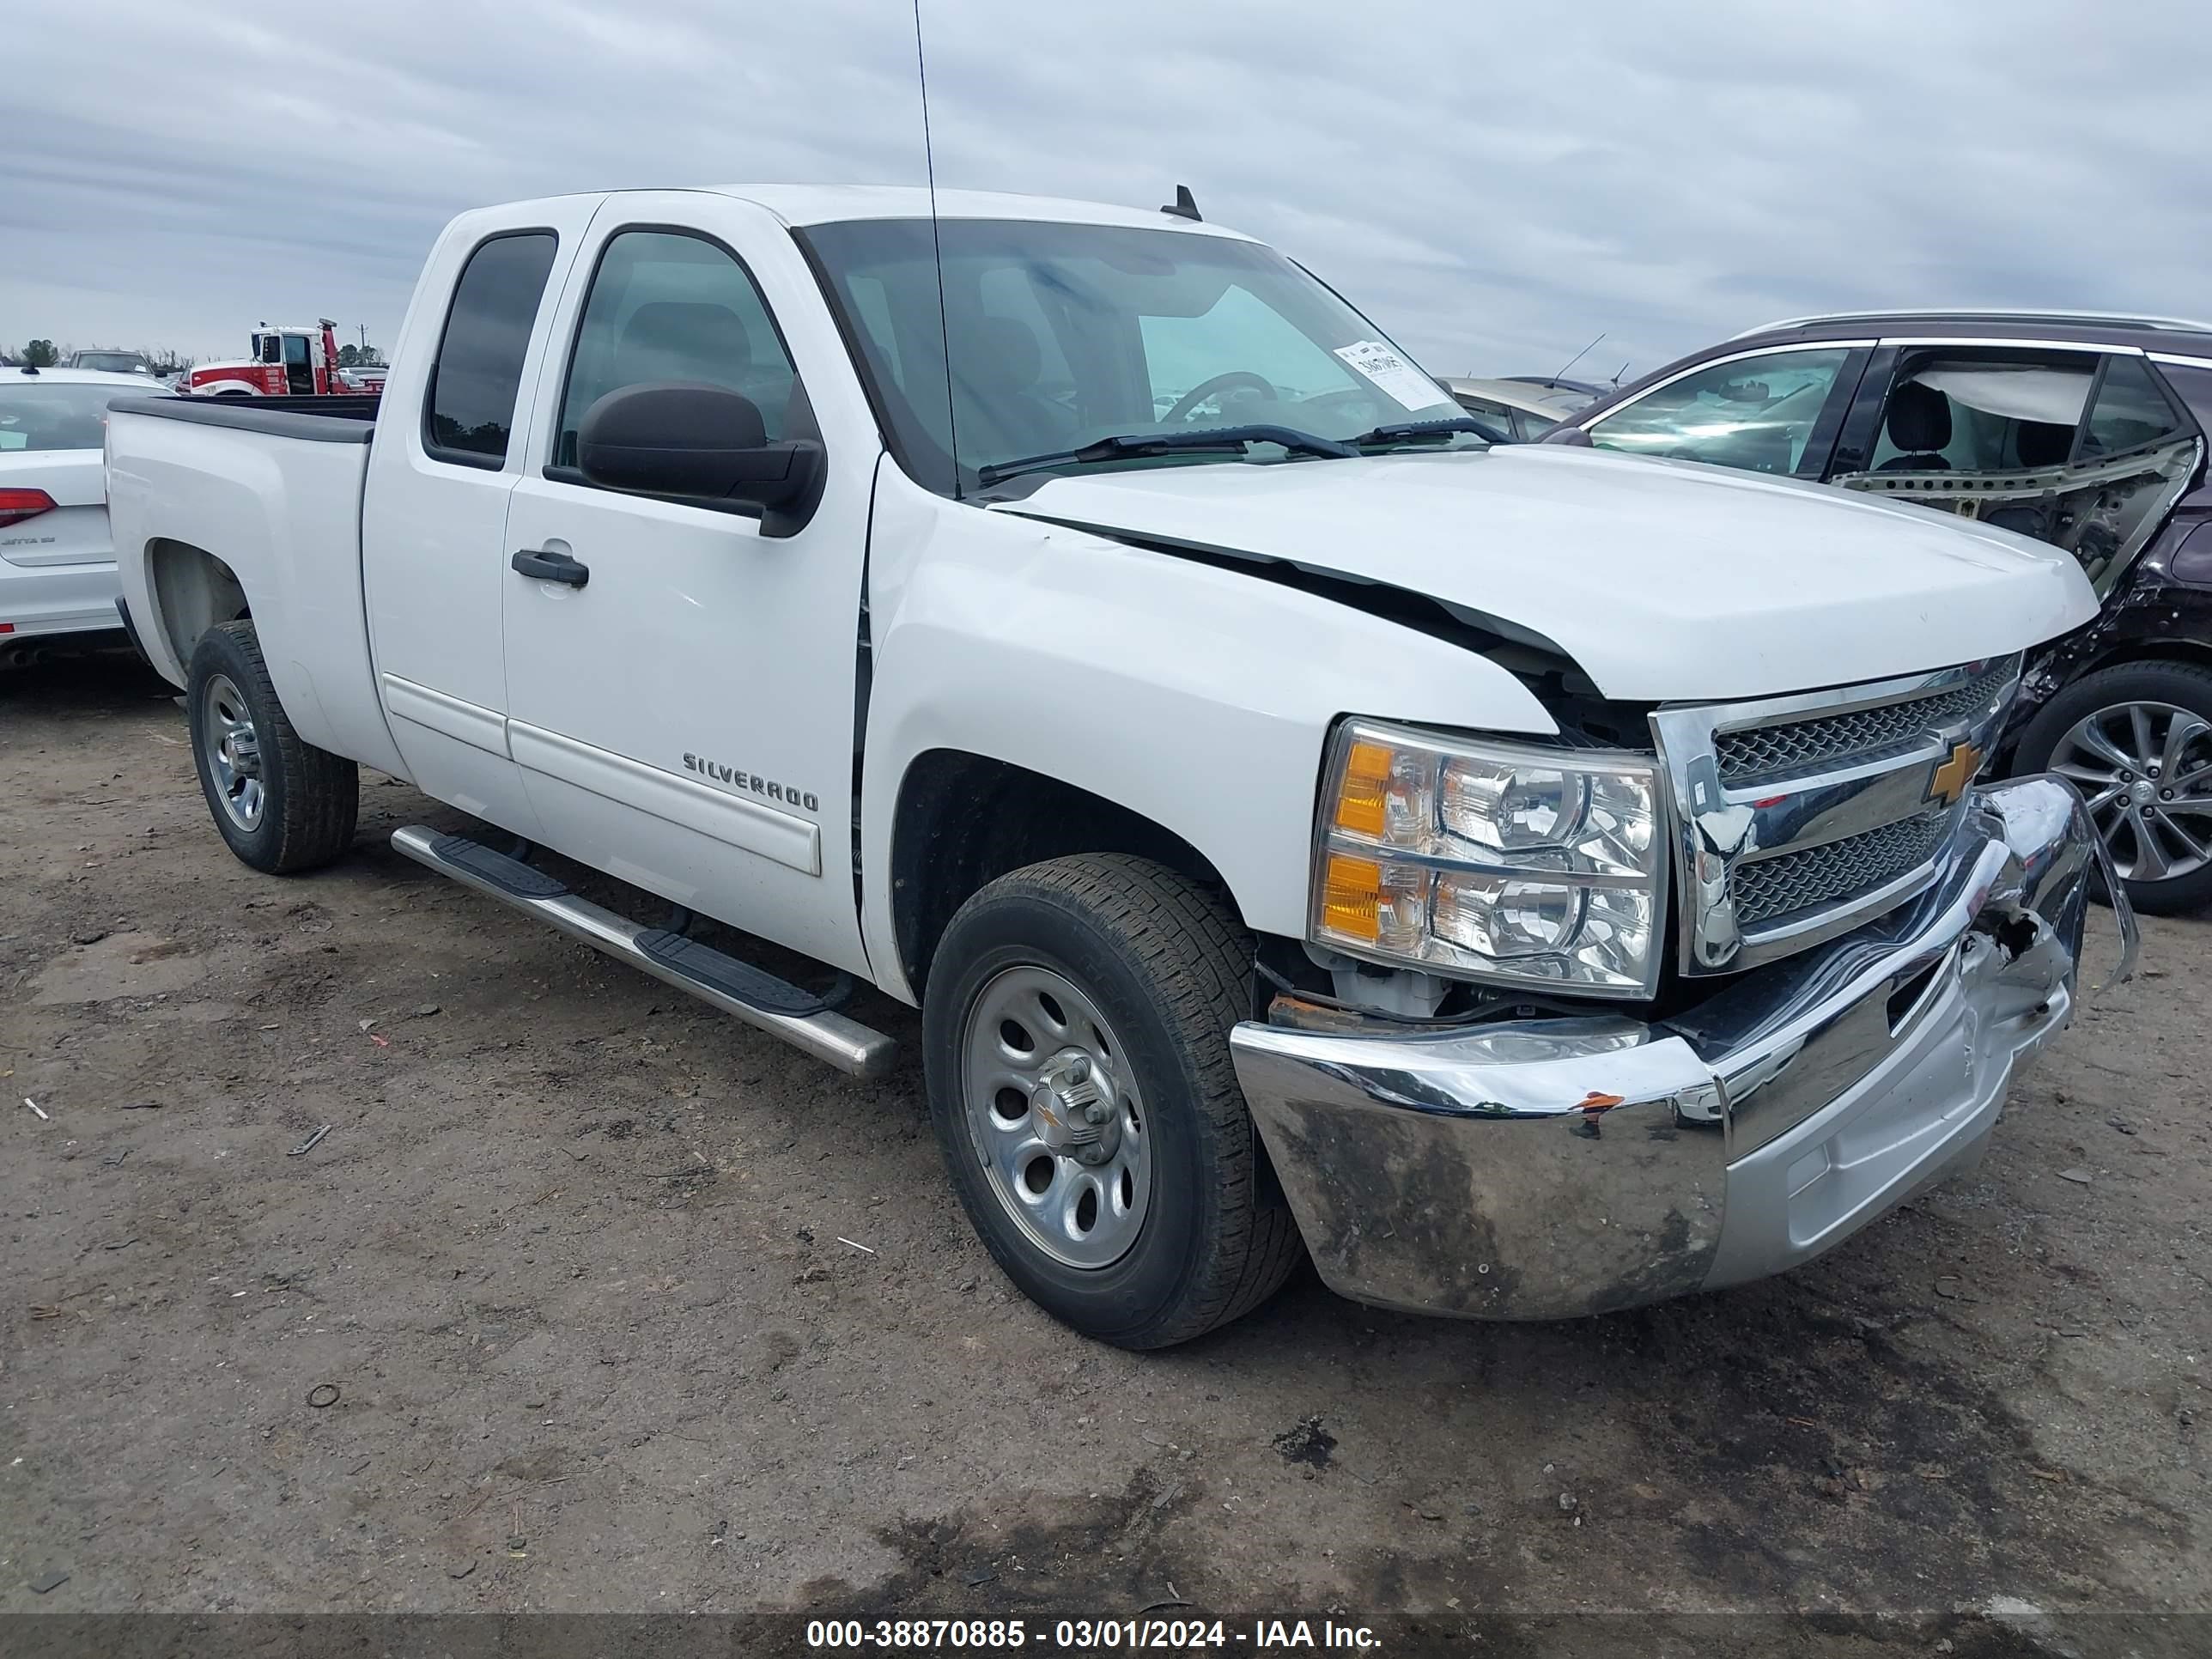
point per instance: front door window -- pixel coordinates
(1754, 413)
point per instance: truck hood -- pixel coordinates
(1665, 581)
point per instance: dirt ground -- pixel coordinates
(573, 1259)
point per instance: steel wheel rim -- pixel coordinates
(233, 751)
(1025, 1035)
(2146, 769)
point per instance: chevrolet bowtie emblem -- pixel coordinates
(1948, 781)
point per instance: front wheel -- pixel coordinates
(281, 804)
(2136, 740)
(1076, 1038)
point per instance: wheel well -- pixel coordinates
(964, 820)
(2174, 649)
(193, 591)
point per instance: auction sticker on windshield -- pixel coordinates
(1392, 374)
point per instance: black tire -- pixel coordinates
(1167, 964)
(309, 797)
(2180, 685)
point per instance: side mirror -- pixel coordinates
(1573, 436)
(704, 444)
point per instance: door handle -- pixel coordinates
(543, 564)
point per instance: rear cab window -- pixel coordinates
(468, 408)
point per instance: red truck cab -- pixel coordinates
(294, 362)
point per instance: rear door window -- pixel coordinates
(1754, 413)
(1996, 411)
(468, 408)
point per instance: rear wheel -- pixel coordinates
(282, 804)
(1076, 1033)
(2136, 740)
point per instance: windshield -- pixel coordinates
(60, 416)
(1065, 334)
(113, 362)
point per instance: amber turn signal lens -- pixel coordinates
(1351, 897)
(1361, 797)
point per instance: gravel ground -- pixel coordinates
(573, 1260)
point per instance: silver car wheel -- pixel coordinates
(232, 750)
(2146, 769)
(1055, 1117)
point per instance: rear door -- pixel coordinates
(433, 518)
(2078, 445)
(684, 718)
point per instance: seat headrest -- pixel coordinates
(1919, 420)
(684, 340)
(2044, 443)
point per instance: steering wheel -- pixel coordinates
(1342, 397)
(1219, 384)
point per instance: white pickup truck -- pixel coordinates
(1533, 882)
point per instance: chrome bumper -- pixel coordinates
(1551, 1168)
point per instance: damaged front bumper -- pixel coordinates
(1551, 1167)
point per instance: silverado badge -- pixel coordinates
(1948, 781)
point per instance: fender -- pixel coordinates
(227, 389)
(1199, 695)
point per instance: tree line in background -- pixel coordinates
(43, 353)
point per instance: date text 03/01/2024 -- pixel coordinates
(1088, 1634)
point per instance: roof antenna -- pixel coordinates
(1618, 372)
(937, 250)
(1185, 207)
(1570, 361)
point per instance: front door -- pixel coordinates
(682, 707)
(299, 366)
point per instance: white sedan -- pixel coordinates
(57, 558)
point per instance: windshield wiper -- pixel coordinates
(1123, 445)
(1398, 432)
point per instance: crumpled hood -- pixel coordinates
(1666, 580)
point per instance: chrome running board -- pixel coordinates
(755, 996)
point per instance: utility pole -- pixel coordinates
(363, 327)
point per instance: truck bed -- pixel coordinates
(214, 499)
(347, 420)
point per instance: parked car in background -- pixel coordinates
(1518, 406)
(287, 362)
(57, 560)
(113, 362)
(2084, 430)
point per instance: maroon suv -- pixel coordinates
(2086, 431)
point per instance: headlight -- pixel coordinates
(1497, 862)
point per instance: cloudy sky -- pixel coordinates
(1494, 184)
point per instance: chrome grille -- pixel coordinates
(1860, 735)
(1769, 890)
(1798, 817)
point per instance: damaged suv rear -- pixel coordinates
(2084, 431)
